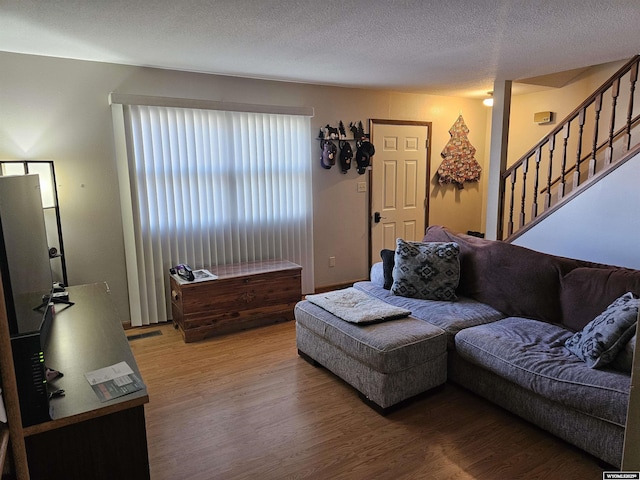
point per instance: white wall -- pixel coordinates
(600, 225)
(57, 109)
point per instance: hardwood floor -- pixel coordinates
(245, 406)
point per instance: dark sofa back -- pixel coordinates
(526, 283)
(586, 292)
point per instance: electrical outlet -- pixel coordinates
(332, 261)
(362, 187)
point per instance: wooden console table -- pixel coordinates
(243, 296)
(88, 438)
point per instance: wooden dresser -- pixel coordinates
(243, 296)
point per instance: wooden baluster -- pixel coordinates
(525, 167)
(615, 91)
(513, 185)
(633, 78)
(552, 146)
(534, 206)
(597, 104)
(563, 166)
(501, 207)
(576, 173)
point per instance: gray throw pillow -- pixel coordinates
(600, 341)
(430, 271)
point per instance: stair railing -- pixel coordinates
(588, 142)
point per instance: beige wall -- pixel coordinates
(524, 133)
(57, 109)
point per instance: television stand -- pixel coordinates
(88, 438)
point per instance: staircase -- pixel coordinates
(597, 137)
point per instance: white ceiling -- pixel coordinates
(444, 47)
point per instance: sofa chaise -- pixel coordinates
(514, 332)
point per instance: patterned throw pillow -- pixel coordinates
(429, 271)
(600, 341)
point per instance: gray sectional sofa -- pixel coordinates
(503, 338)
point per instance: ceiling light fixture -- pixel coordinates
(488, 102)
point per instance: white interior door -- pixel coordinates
(399, 178)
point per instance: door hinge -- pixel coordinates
(426, 144)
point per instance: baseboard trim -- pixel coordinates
(337, 286)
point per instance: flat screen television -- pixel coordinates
(27, 283)
(24, 254)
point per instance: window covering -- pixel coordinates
(211, 187)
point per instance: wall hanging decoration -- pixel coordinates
(346, 154)
(459, 164)
(330, 132)
(342, 131)
(360, 153)
(363, 155)
(357, 131)
(328, 157)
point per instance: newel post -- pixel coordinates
(497, 157)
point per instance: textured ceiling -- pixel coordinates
(444, 47)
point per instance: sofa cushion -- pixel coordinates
(600, 341)
(449, 316)
(426, 270)
(387, 347)
(624, 360)
(600, 285)
(531, 354)
(515, 280)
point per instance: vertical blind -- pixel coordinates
(213, 187)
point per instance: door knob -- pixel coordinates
(377, 217)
